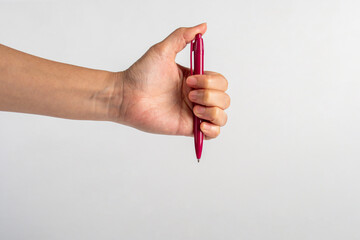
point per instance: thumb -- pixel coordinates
(178, 39)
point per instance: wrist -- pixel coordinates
(105, 96)
(113, 95)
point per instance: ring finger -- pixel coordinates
(215, 115)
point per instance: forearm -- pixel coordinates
(35, 85)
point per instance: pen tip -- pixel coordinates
(198, 159)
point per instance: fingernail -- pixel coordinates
(200, 109)
(191, 80)
(193, 95)
(206, 126)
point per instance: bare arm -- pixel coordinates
(31, 84)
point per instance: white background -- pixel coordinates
(286, 166)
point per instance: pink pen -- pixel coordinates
(197, 46)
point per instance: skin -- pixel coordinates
(155, 94)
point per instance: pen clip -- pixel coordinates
(191, 57)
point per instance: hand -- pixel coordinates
(160, 97)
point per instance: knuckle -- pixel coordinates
(227, 101)
(217, 131)
(224, 119)
(224, 80)
(180, 30)
(214, 114)
(220, 76)
(226, 84)
(159, 47)
(207, 81)
(206, 96)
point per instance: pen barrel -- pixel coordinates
(198, 137)
(198, 49)
(198, 55)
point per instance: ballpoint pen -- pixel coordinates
(197, 47)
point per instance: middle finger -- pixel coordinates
(210, 98)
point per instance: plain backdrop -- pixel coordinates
(286, 166)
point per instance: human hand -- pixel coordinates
(158, 96)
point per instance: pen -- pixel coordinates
(197, 48)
